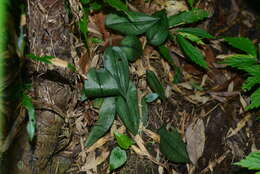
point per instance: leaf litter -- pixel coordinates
(183, 110)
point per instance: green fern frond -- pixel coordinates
(255, 100)
(243, 44)
(253, 70)
(251, 82)
(239, 61)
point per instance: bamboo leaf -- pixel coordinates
(106, 118)
(155, 84)
(158, 33)
(134, 23)
(117, 158)
(172, 146)
(127, 109)
(191, 52)
(187, 17)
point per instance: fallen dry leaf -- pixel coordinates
(195, 137)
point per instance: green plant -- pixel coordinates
(248, 63)
(252, 162)
(112, 80)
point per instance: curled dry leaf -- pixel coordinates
(195, 136)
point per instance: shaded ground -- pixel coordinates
(215, 115)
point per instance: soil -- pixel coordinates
(64, 120)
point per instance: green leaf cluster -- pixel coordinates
(118, 155)
(112, 80)
(156, 29)
(246, 62)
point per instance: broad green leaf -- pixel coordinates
(172, 146)
(134, 23)
(105, 120)
(132, 47)
(155, 84)
(144, 112)
(117, 4)
(243, 44)
(197, 32)
(254, 100)
(117, 158)
(187, 17)
(192, 38)
(239, 61)
(100, 83)
(123, 140)
(151, 97)
(191, 52)
(127, 109)
(251, 82)
(31, 125)
(44, 59)
(252, 161)
(158, 33)
(115, 62)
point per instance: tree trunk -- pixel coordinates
(54, 89)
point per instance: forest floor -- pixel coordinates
(206, 107)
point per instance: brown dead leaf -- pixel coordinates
(195, 137)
